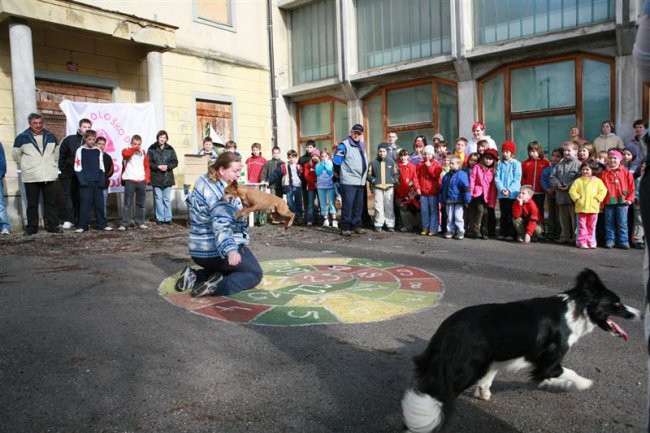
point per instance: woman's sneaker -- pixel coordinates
(208, 287)
(186, 280)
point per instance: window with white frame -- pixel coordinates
(217, 12)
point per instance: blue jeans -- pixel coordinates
(429, 209)
(105, 192)
(4, 219)
(616, 220)
(246, 275)
(294, 200)
(162, 203)
(91, 196)
(326, 198)
(311, 196)
(352, 206)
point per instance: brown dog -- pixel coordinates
(255, 200)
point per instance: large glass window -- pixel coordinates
(501, 20)
(493, 96)
(313, 42)
(323, 120)
(542, 101)
(544, 86)
(422, 107)
(391, 31)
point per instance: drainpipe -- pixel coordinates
(274, 114)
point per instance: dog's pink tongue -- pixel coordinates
(617, 329)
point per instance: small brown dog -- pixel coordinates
(255, 200)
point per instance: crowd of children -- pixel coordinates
(579, 197)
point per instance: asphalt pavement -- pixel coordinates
(88, 345)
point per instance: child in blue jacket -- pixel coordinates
(455, 195)
(508, 181)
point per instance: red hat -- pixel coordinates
(491, 152)
(509, 146)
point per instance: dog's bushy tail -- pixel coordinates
(422, 413)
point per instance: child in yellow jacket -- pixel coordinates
(587, 192)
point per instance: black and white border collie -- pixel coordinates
(474, 344)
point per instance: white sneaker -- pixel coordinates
(121, 228)
(335, 224)
(326, 223)
(108, 229)
(79, 231)
(67, 225)
(5, 232)
(142, 226)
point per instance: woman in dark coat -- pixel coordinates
(162, 161)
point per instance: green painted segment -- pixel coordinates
(290, 271)
(263, 297)
(274, 264)
(289, 316)
(315, 289)
(412, 298)
(371, 264)
(371, 290)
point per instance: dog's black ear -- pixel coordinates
(589, 281)
(588, 278)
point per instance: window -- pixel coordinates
(391, 32)
(542, 100)
(313, 42)
(501, 20)
(324, 120)
(422, 107)
(214, 11)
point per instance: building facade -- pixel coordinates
(529, 69)
(198, 61)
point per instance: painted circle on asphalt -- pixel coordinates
(311, 291)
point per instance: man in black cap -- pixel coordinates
(351, 166)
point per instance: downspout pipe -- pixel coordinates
(274, 114)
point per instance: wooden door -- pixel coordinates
(48, 96)
(216, 114)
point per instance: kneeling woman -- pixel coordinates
(218, 239)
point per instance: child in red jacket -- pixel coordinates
(525, 215)
(407, 188)
(309, 174)
(620, 194)
(531, 174)
(428, 172)
(255, 163)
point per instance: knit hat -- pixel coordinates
(439, 137)
(357, 128)
(509, 146)
(633, 150)
(615, 152)
(382, 146)
(429, 149)
(315, 152)
(491, 152)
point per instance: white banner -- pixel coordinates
(116, 123)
